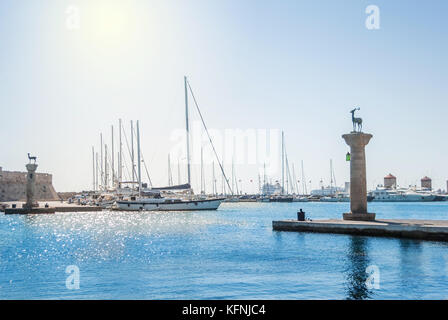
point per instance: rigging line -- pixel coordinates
(109, 166)
(291, 184)
(144, 163)
(124, 158)
(127, 171)
(288, 172)
(334, 178)
(288, 176)
(210, 139)
(146, 168)
(129, 150)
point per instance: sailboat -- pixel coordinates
(154, 200)
(283, 197)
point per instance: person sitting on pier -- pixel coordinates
(301, 215)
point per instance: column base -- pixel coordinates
(359, 216)
(27, 206)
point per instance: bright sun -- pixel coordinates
(110, 22)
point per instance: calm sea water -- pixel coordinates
(231, 253)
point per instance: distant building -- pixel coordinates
(326, 191)
(347, 187)
(390, 181)
(271, 189)
(426, 183)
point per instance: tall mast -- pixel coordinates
(139, 162)
(106, 177)
(120, 165)
(233, 176)
(93, 167)
(283, 163)
(96, 173)
(331, 173)
(214, 180)
(188, 131)
(264, 178)
(101, 161)
(303, 181)
(113, 155)
(289, 180)
(170, 176)
(236, 180)
(288, 174)
(132, 151)
(202, 172)
(295, 184)
(178, 172)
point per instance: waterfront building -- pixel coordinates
(426, 183)
(390, 181)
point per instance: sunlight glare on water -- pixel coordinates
(231, 253)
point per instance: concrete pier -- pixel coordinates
(53, 207)
(358, 182)
(413, 229)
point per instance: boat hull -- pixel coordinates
(286, 199)
(190, 205)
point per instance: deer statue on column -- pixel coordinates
(356, 121)
(32, 158)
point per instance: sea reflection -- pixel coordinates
(356, 274)
(411, 268)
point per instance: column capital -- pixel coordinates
(31, 167)
(357, 139)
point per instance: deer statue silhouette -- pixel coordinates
(356, 121)
(32, 158)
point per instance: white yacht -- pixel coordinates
(300, 199)
(153, 199)
(339, 197)
(156, 202)
(398, 195)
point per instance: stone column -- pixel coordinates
(358, 184)
(30, 185)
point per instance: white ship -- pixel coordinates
(398, 195)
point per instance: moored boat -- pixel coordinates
(396, 195)
(167, 204)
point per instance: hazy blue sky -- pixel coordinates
(291, 65)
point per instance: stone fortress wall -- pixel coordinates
(13, 185)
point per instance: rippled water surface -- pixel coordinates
(231, 253)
